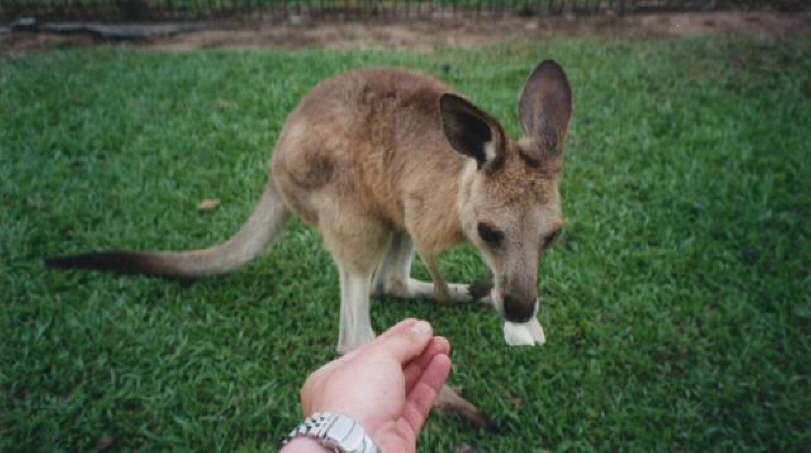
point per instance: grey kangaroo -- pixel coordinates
(384, 162)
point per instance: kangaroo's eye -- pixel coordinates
(490, 234)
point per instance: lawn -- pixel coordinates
(677, 304)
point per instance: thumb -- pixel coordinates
(405, 344)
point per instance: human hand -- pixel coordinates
(388, 385)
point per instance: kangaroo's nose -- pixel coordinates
(518, 311)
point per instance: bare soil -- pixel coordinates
(428, 34)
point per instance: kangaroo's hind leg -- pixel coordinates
(393, 276)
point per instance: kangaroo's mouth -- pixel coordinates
(518, 311)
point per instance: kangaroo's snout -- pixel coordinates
(517, 310)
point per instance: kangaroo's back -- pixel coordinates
(374, 135)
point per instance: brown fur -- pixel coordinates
(384, 162)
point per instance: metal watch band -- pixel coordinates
(338, 432)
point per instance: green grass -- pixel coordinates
(677, 305)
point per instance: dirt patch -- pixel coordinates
(425, 35)
(15, 43)
(763, 24)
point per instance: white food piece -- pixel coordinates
(524, 334)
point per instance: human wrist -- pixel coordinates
(335, 431)
(367, 423)
(303, 444)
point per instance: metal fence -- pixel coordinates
(155, 10)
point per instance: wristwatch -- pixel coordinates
(335, 431)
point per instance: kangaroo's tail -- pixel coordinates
(267, 219)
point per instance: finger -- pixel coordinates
(404, 344)
(393, 330)
(414, 369)
(328, 368)
(421, 398)
(400, 326)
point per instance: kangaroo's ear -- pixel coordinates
(545, 107)
(471, 131)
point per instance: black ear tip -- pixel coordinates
(450, 99)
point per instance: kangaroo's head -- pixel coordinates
(509, 204)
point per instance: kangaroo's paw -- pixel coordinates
(480, 289)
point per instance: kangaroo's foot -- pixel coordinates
(449, 401)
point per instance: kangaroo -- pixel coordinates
(384, 162)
